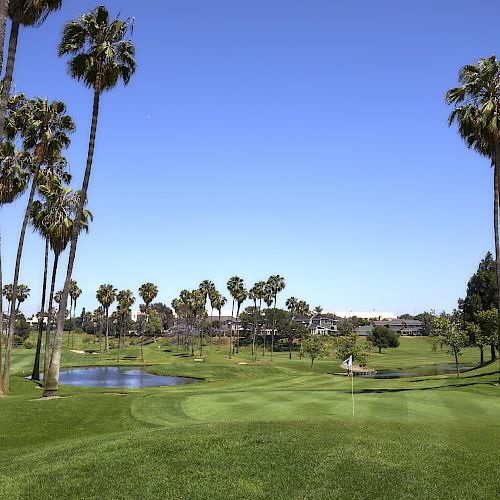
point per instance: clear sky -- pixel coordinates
(302, 138)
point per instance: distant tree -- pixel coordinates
(488, 324)
(481, 294)
(383, 337)
(452, 336)
(21, 327)
(406, 316)
(276, 284)
(345, 326)
(153, 326)
(426, 319)
(147, 292)
(348, 345)
(165, 314)
(106, 295)
(314, 347)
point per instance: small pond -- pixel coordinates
(421, 371)
(118, 377)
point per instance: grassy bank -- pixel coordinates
(266, 430)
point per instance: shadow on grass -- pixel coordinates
(405, 389)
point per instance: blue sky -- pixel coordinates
(307, 139)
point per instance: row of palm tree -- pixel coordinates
(100, 55)
(191, 307)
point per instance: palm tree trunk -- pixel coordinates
(74, 316)
(9, 68)
(107, 329)
(237, 330)
(55, 361)
(254, 354)
(8, 349)
(231, 333)
(70, 319)
(274, 327)
(497, 241)
(100, 339)
(4, 6)
(1, 313)
(49, 318)
(220, 327)
(35, 374)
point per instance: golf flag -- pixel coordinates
(347, 364)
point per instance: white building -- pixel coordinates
(376, 315)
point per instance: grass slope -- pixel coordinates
(255, 431)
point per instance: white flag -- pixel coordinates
(347, 364)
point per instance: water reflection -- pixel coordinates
(118, 377)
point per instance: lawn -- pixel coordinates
(266, 430)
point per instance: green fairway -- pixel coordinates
(265, 430)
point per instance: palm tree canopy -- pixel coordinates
(32, 12)
(23, 292)
(57, 296)
(100, 53)
(148, 292)
(303, 308)
(477, 105)
(292, 304)
(106, 295)
(15, 171)
(276, 284)
(74, 290)
(241, 295)
(207, 287)
(125, 300)
(54, 219)
(42, 125)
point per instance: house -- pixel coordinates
(401, 326)
(318, 325)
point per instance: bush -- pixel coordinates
(29, 344)
(21, 327)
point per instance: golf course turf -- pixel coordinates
(265, 430)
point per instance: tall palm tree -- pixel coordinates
(56, 216)
(207, 288)
(106, 295)
(74, 293)
(22, 293)
(219, 302)
(43, 127)
(125, 300)
(268, 299)
(4, 8)
(148, 293)
(177, 307)
(234, 285)
(291, 304)
(39, 223)
(253, 295)
(476, 110)
(14, 176)
(100, 56)
(241, 296)
(25, 13)
(276, 284)
(197, 313)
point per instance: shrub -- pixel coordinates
(29, 344)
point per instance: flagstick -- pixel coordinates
(352, 392)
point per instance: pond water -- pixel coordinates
(421, 371)
(118, 377)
